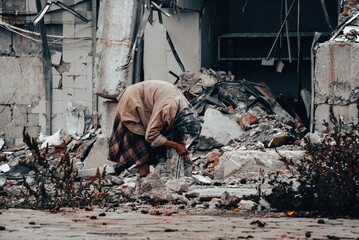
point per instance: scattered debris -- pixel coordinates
(153, 189)
(259, 223)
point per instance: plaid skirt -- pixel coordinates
(127, 148)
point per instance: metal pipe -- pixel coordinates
(94, 26)
(287, 32)
(326, 15)
(280, 30)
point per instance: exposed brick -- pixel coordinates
(247, 120)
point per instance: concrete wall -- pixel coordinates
(336, 82)
(21, 82)
(21, 75)
(184, 30)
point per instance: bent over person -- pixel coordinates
(151, 115)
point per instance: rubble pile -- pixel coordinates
(243, 113)
(350, 8)
(26, 183)
(348, 28)
(242, 122)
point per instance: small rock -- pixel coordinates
(32, 223)
(264, 204)
(228, 200)
(116, 181)
(102, 215)
(243, 181)
(308, 234)
(2, 228)
(246, 205)
(321, 221)
(93, 217)
(170, 230)
(192, 195)
(247, 120)
(215, 203)
(152, 188)
(178, 185)
(202, 179)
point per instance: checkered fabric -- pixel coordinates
(127, 148)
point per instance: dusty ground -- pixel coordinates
(29, 224)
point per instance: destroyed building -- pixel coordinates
(260, 74)
(103, 46)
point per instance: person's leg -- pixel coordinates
(144, 170)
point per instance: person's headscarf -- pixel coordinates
(188, 122)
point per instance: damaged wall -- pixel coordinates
(21, 76)
(336, 82)
(21, 84)
(158, 58)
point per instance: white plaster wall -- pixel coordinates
(336, 82)
(185, 34)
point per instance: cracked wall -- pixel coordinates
(21, 75)
(20, 90)
(336, 82)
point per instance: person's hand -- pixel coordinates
(181, 150)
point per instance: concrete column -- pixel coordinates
(116, 23)
(336, 82)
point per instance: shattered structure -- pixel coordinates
(262, 91)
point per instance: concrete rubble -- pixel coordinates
(240, 126)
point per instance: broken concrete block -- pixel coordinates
(215, 203)
(4, 168)
(217, 130)
(263, 203)
(247, 120)
(116, 180)
(230, 166)
(227, 200)
(207, 81)
(2, 142)
(54, 139)
(84, 149)
(97, 156)
(152, 188)
(249, 162)
(314, 138)
(246, 205)
(75, 119)
(202, 179)
(66, 139)
(92, 171)
(178, 185)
